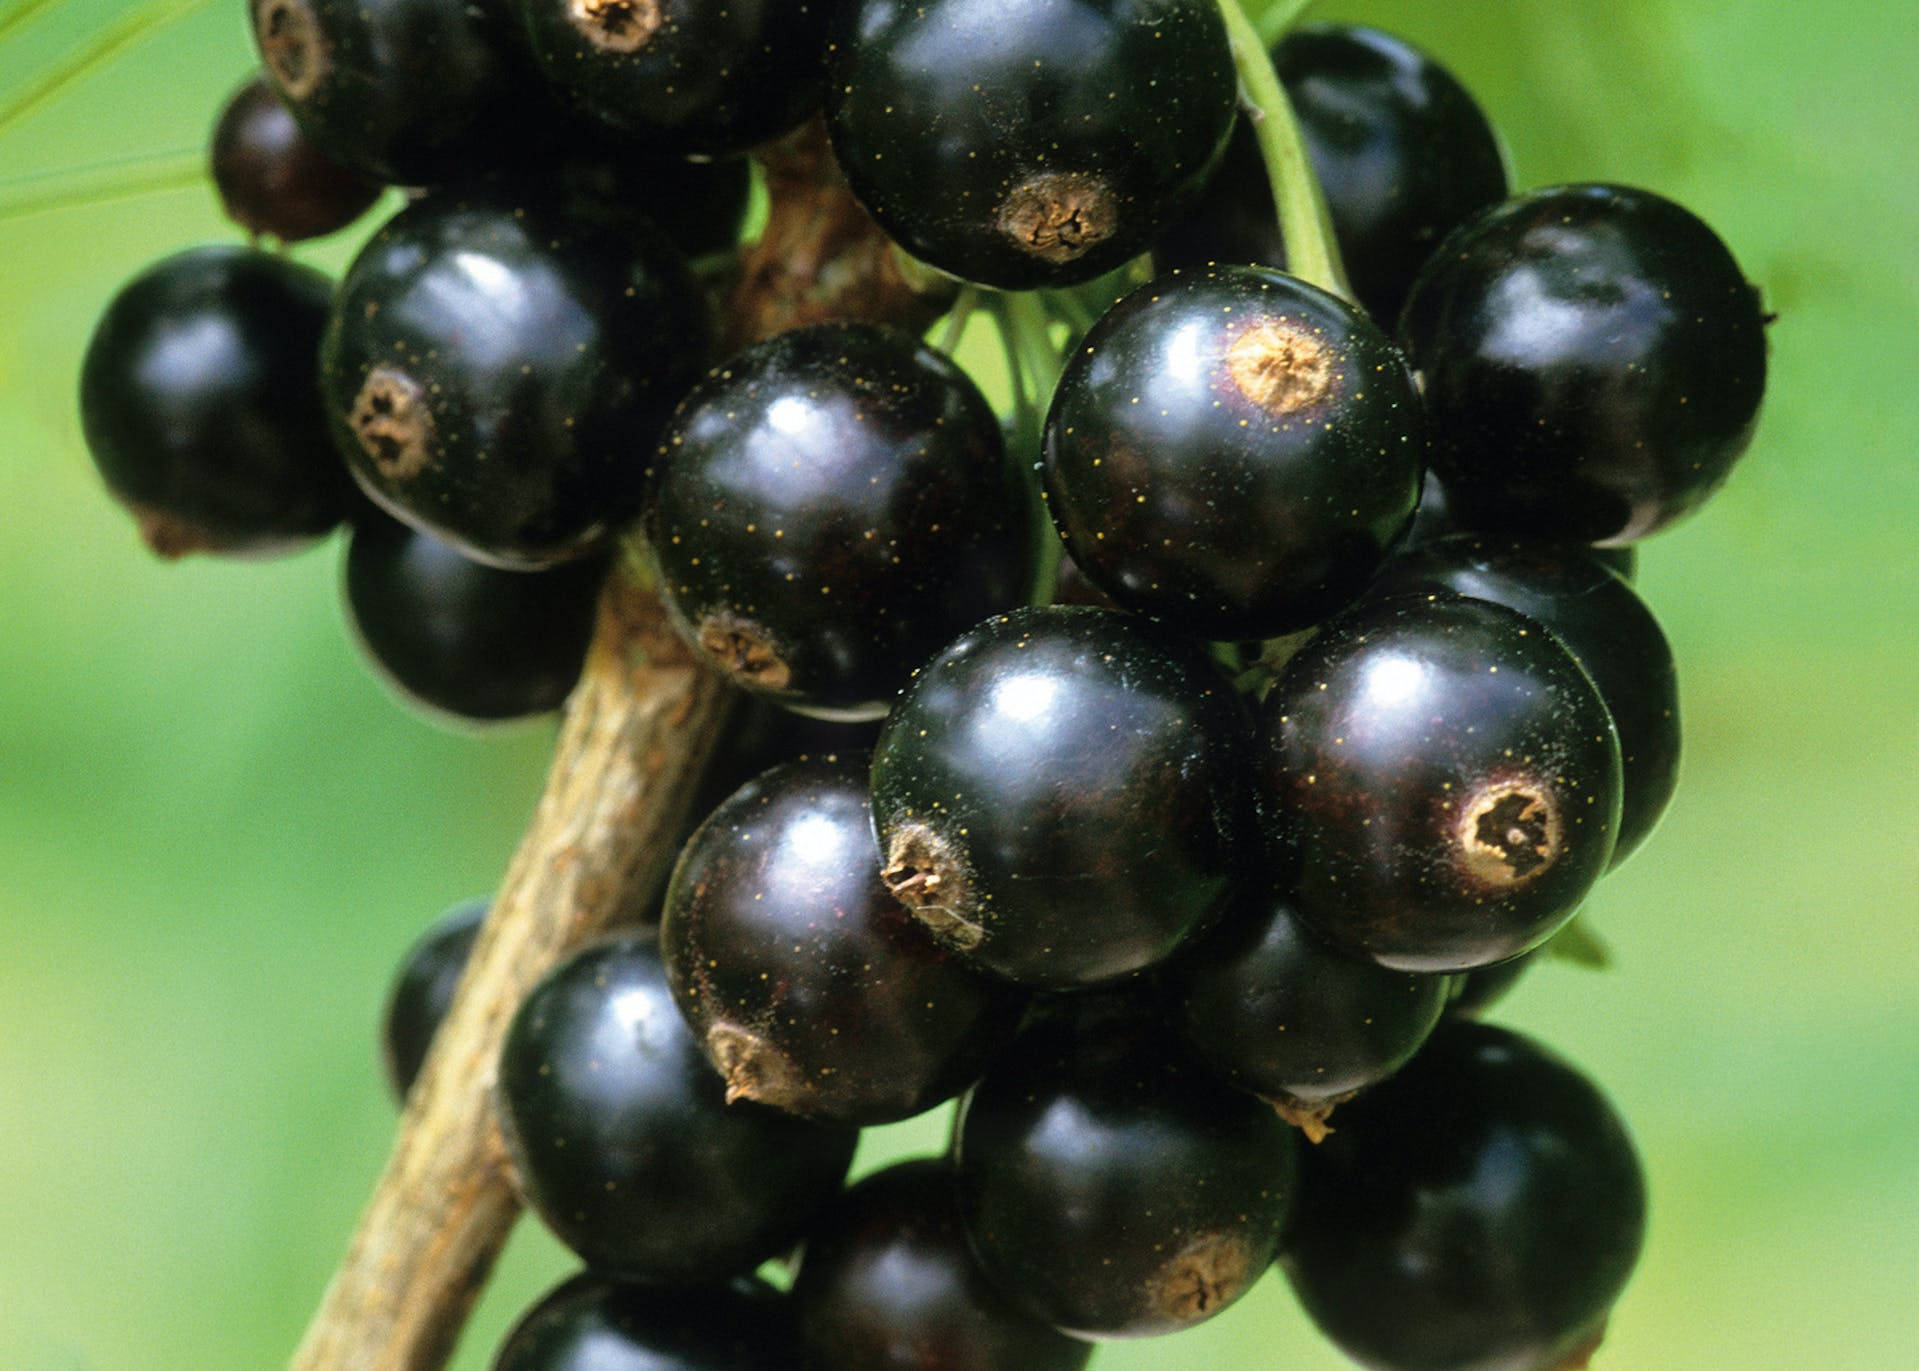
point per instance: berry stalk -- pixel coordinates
(638, 732)
(1311, 253)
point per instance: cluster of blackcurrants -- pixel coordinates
(1356, 704)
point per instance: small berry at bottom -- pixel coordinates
(594, 1324)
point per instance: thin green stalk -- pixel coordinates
(1277, 20)
(104, 47)
(102, 184)
(1033, 362)
(20, 14)
(957, 318)
(1311, 253)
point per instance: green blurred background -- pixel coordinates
(217, 834)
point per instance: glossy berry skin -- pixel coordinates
(493, 374)
(591, 1323)
(807, 984)
(1594, 361)
(1481, 1211)
(409, 92)
(830, 507)
(1233, 451)
(1607, 628)
(622, 1139)
(1442, 781)
(1277, 1011)
(1479, 990)
(1059, 794)
(1111, 1185)
(1402, 152)
(463, 639)
(423, 991)
(1062, 135)
(272, 179)
(200, 410)
(686, 76)
(887, 1283)
(1436, 518)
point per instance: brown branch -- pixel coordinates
(638, 732)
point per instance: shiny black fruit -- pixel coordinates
(594, 1324)
(200, 408)
(1607, 628)
(1481, 1211)
(409, 92)
(461, 638)
(1233, 451)
(1111, 1185)
(622, 1139)
(1280, 1013)
(1594, 361)
(1402, 153)
(1442, 781)
(272, 179)
(1035, 144)
(1059, 794)
(423, 991)
(686, 76)
(808, 986)
(888, 1281)
(829, 508)
(495, 374)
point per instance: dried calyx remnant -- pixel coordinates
(1059, 216)
(927, 876)
(392, 422)
(1510, 833)
(616, 25)
(1282, 367)
(290, 42)
(742, 648)
(1206, 1274)
(754, 1068)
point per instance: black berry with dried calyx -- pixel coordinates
(831, 506)
(685, 76)
(806, 983)
(494, 373)
(1061, 135)
(199, 408)
(1059, 794)
(1440, 781)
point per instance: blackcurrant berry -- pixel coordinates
(594, 1324)
(1607, 628)
(494, 374)
(199, 405)
(1443, 781)
(622, 1140)
(888, 1281)
(1111, 1185)
(1278, 1012)
(1480, 989)
(685, 75)
(409, 92)
(1033, 144)
(458, 637)
(829, 508)
(1402, 153)
(1234, 451)
(1481, 1211)
(1436, 518)
(272, 179)
(1593, 361)
(806, 983)
(1059, 794)
(423, 991)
